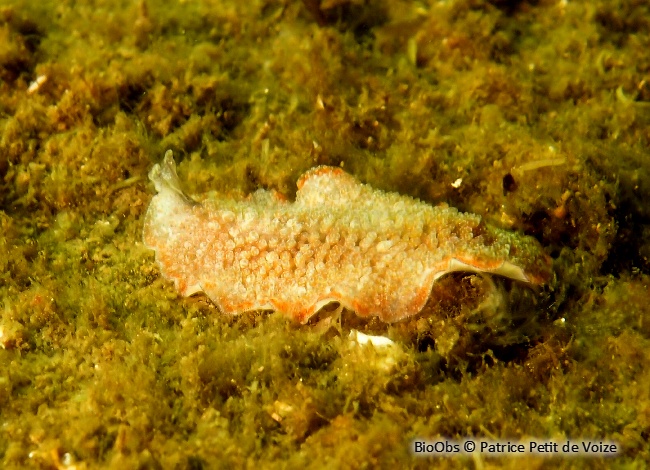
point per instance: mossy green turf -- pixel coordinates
(534, 115)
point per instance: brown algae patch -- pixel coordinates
(532, 115)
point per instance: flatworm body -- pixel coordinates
(374, 252)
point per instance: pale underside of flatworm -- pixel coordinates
(374, 252)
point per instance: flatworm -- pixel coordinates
(374, 252)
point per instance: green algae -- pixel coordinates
(534, 115)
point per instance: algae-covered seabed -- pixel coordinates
(535, 115)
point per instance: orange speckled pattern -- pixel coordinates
(376, 253)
